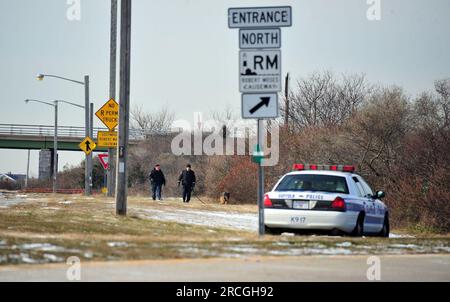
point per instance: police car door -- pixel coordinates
(371, 220)
(379, 210)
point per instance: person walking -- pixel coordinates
(157, 180)
(187, 180)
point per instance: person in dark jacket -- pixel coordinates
(187, 179)
(157, 180)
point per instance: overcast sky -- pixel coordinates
(185, 57)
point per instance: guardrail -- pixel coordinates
(66, 131)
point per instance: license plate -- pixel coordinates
(298, 220)
(301, 204)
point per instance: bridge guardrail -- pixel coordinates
(67, 131)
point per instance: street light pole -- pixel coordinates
(112, 92)
(55, 151)
(88, 160)
(55, 139)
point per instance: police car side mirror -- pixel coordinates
(380, 195)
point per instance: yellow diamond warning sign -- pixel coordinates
(87, 145)
(109, 114)
(107, 139)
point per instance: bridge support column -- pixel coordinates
(45, 164)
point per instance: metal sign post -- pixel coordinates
(260, 72)
(260, 179)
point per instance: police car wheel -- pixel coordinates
(386, 228)
(359, 228)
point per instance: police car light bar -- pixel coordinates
(341, 168)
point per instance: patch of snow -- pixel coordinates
(88, 255)
(53, 258)
(404, 246)
(288, 234)
(235, 221)
(45, 247)
(328, 251)
(51, 209)
(66, 202)
(243, 249)
(344, 244)
(281, 243)
(25, 258)
(392, 235)
(442, 249)
(118, 244)
(2, 242)
(6, 203)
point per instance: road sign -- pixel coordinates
(107, 139)
(245, 17)
(109, 114)
(260, 106)
(87, 145)
(260, 71)
(260, 38)
(104, 160)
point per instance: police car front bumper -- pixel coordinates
(310, 220)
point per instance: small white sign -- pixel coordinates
(260, 106)
(251, 17)
(260, 71)
(260, 38)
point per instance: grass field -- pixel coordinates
(40, 228)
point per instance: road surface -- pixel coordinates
(259, 269)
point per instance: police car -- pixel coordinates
(325, 198)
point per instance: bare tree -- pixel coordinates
(226, 119)
(378, 129)
(321, 99)
(152, 123)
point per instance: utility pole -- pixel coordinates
(124, 106)
(112, 92)
(286, 95)
(88, 163)
(55, 150)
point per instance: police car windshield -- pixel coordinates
(312, 182)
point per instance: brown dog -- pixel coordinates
(225, 198)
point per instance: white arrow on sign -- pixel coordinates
(260, 106)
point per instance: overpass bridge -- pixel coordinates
(40, 137)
